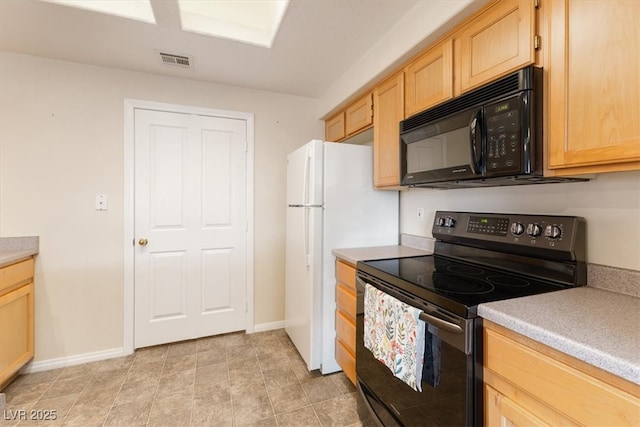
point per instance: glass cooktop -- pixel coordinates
(453, 285)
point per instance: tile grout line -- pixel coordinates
(155, 394)
(233, 411)
(119, 390)
(79, 394)
(44, 393)
(273, 410)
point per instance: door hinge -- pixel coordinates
(536, 4)
(537, 42)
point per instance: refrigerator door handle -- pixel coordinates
(305, 187)
(307, 245)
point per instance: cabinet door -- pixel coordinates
(498, 41)
(334, 129)
(16, 330)
(593, 85)
(388, 111)
(501, 411)
(359, 115)
(429, 78)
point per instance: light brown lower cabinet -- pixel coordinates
(346, 318)
(529, 384)
(16, 318)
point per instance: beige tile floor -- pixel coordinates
(227, 380)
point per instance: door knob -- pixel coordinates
(143, 242)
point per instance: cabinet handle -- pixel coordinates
(143, 242)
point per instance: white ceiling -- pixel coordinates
(319, 40)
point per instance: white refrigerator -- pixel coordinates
(331, 204)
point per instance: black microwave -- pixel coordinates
(488, 137)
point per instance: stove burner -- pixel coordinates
(455, 284)
(508, 281)
(464, 269)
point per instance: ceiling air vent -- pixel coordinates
(175, 60)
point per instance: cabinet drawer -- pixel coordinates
(579, 396)
(346, 301)
(346, 331)
(346, 274)
(346, 360)
(16, 274)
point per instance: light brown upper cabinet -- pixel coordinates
(359, 115)
(429, 78)
(592, 85)
(334, 129)
(388, 108)
(497, 41)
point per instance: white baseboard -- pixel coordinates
(262, 327)
(63, 362)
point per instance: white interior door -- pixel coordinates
(190, 223)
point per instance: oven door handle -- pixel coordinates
(442, 324)
(435, 321)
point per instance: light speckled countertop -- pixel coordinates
(353, 255)
(16, 249)
(596, 326)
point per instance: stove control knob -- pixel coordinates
(449, 222)
(439, 221)
(552, 232)
(517, 228)
(534, 230)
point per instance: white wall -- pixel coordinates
(610, 204)
(61, 143)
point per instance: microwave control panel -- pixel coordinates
(504, 136)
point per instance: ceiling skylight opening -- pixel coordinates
(140, 10)
(253, 22)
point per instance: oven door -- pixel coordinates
(456, 398)
(448, 149)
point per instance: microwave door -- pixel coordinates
(443, 150)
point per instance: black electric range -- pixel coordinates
(478, 258)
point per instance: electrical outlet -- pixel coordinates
(102, 202)
(420, 215)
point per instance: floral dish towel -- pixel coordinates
(395, 335)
